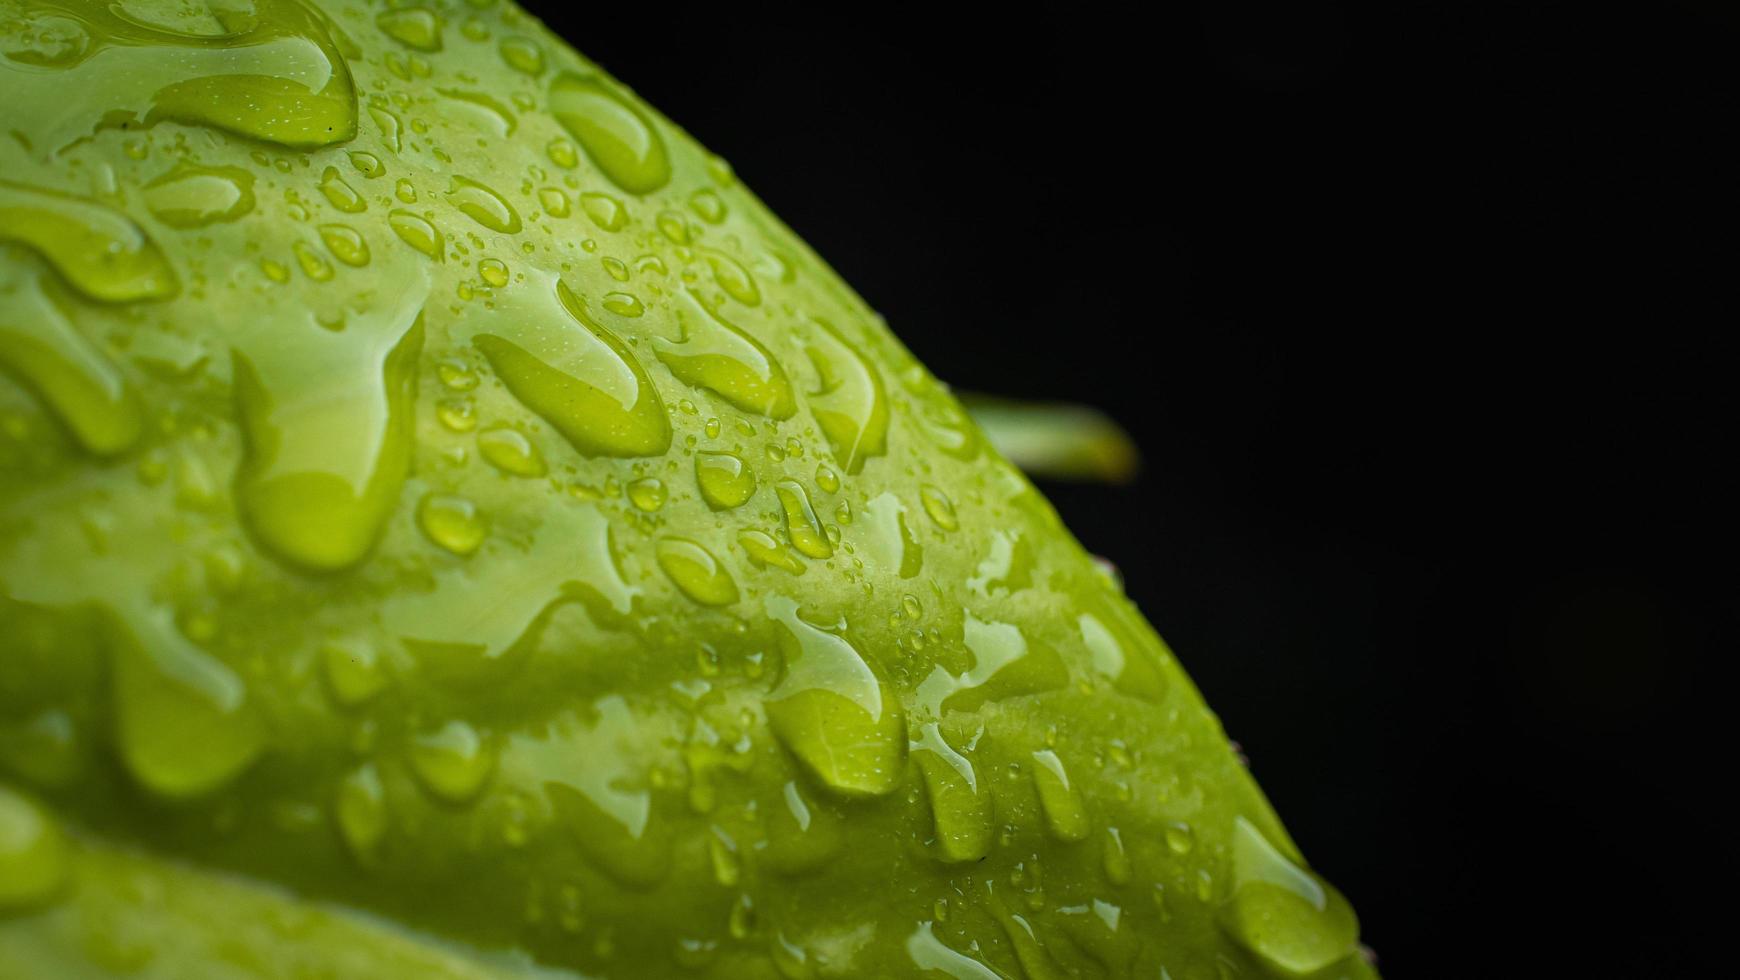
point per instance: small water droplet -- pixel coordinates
(507, 449)
(367, 164)
(523, 55)
(340, 194)
(939, 507)
(494, 272)
(604, 211)
(345, 244)
(453, 762)
(354, 671)
(451, 522)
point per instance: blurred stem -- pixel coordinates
(1056, 440)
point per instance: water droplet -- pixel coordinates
(939, 507)
(327, 420)
(523, 55)
(580, 378)
(453, 762)
(193, 197)
(405, 191)
(340, 194)
(392, 137)
(623, 304)
(1005, 665)
(414, 27)
(1065, 813)
(802, 835)
(563, 154)
(708, 206)
(360, 811)
(928, 953)
(367, 164)
(605, 806)
(960, 810)
(494, 272)
(827, 479)
(417, 233)
(354, 671)
(832, 711)
(1179, 840)
(345, 244)
(554, 202)
(98, 250)
(1116, 858)
(648, 494)
(34, 858)
(1287, 917)
(483, 205)
(185, 723)
(719, 357)
(482, 111)
(73, 377)
(890, 542)
(765, 551)
(801, 521)
(451, 522)
(507, 449)
(621, 140)
(605, 211)
(850, 405)
(695, 571)
(734, 279)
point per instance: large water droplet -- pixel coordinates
(724, 480)
(695, 571)
(328, 421)
(1005, 665)
(832, 711)
(483, 205)
(849, 405)
(960, 809)
(453, 763)
(193, 197)
(619, 137)
(801, 522)
(100, 251)
(928, 953)
(75, 379)
(721, 358)
(34, 858)
(1293, 921)
(1061, 801)
(184, 722)
(579, 377)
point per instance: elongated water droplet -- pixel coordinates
(507, 449)
(100, 251)
(929, 955)
(340, 194)
(960, 809)
(801, 521)
(417, 233)
(483, 205)
(185, 724)
(328, 421)
(1065, 813)
(1116, 858)
(765, 551)
(890, 542)
(193, 197)
(721, 358)
(695, 571)
(939, 507)
(453, 763)
(832, 710)
(850, 405)
(1292, 920)
(392, 136)
(619, 137)
(345, 244)
(360, 810)
(647, 494)
(75, 379)
(34, 858)
(483, 111)
(578, 376)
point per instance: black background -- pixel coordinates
(1421, 320)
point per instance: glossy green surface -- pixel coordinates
(448, 528)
